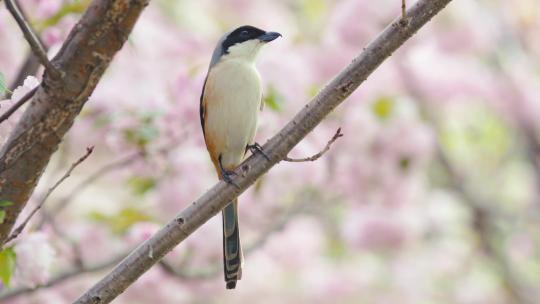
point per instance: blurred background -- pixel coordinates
(431, 196)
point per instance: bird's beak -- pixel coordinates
(269, 36)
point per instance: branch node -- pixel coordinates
(404, 21)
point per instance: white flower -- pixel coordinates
(6, 126)
(35, 257)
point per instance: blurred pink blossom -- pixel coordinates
(35, 259)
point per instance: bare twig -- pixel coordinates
(318, 155)
(100, 172)
(119, 163)
(18, 104)
(62, 277)
(15, 233)
(276, 149)
(33, 40)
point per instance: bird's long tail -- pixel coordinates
(232, 250)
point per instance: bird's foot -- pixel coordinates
(256, 148)
(228, 177)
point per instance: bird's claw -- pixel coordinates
(256, 148)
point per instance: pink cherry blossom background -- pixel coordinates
(431, 196)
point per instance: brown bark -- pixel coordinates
(83, 58)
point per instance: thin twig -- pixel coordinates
(318, 155)
(32, 39)
(102, 171)
(110, 167)
(20, 228)
(18, 104)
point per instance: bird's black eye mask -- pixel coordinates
(239, 35)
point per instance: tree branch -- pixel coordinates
(318, 155)
(277, 148)
(35, 43)
(19, 229)
(83, 58)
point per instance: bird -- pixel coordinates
(229, 105)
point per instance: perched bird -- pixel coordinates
(230, 101)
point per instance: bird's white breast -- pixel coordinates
(232, 101)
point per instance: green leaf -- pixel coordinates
(141, 185)
(383, 107)
(2, 216)
(121, 221)
(273, 99)
(7, 264)
(3, 86)
(404, 163)
(6, 203)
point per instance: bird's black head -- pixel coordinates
(245, 33)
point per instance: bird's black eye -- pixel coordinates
(244, 33)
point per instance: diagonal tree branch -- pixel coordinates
(209, 204)
(83, 58)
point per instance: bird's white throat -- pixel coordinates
(246, 50)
